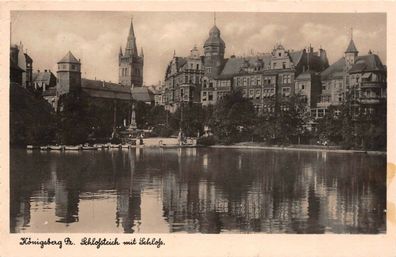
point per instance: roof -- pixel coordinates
(307, 75)
(142, 94)
(351, 47)
(43, 77)
(296, 56)
(214, 37)
(103, 89)
(334, 70)
(234, 65)
(367, 63)
(69, 58)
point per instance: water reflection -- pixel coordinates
(197, 190)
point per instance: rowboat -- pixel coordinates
(73, 147)
(126, 146)
(87, 147)
(55, 147)
(32, 147)
(44, 148)
(115, 145)
(101, 146)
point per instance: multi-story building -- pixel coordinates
(362, 76)
(183, 80)
(131, 63)
(259, 77)
(25, 63)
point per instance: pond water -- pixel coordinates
(197, 190)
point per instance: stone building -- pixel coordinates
(183, 80)
(131, 63)
(363, 76)
(69, 74)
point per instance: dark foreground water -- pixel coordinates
(197, 190)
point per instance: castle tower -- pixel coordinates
(214, 48)
(130, 63)
(69, 74)
(351, 53)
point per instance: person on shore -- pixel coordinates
(141, 140)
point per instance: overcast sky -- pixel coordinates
(95, 37)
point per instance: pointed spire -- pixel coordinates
(141, 52)
(131, 49)
(214, 18)
(351, 47)
(174, 52)
(120, 53)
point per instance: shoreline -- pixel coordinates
(288, 148)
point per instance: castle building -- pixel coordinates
(131, 63)
(260, 77)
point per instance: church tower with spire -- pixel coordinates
(351, 53)
(130, 62)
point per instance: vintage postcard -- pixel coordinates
(181, 129)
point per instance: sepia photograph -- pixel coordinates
(197, 122)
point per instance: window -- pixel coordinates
(244, 93)
(251, 93)
(302, 87)
(279, 54)
(258, 93)
(286, 79)
(286, 91)
(210, 96)
(284, 65)
(324, 87)
(73, 67)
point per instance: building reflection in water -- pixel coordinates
(129, 197)
(202, 190)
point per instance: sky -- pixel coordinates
(95, 37)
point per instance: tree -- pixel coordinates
(233, 118)
(284, 119)
(73, 122)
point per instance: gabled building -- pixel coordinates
(183, 80)
(363, 76)
(43, 81)
(25, 63)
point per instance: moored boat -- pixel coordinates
(44, 148)
(32, 147)
(88, 147)
(73, 147)
(115, 145)
(126, 146)
(101, 146)
(56, 147)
